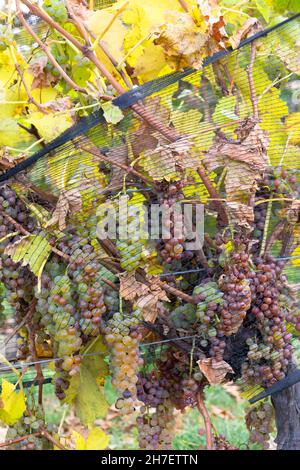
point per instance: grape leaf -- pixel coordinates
(12, 403)
(96, 440)
(214, 371)
(31, 250)
(112, 113)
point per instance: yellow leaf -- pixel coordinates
(186, 122)
(296, 252)
(79, 441)
(49, 126)
(12, 404)
(97, 440)
(10, 133)
(292, 125)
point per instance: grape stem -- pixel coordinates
(48, 436)
(249, 70)
(207, 421)
(99, 156)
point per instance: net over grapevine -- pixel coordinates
(225, 138)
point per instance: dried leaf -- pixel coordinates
(61, 104)
(145, 297)
(214, 371)
(213, 17)
(69, 201)
(182, 40)
(245, 161)
(241, 214)
(166, 159)
(42, 77)
(251, 26)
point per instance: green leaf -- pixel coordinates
(264, 9)
(112, 113)
(90, 402)
(86, 389)
(225, 110)
(31, 250)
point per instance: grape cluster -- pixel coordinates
(18, 281)
(131, 247)
(237, 293)
(260, 213)
(30, 423)
(184, 316)
(221, 443)
(123, 338)
(268, 361)
(259, 421)
(156, 420)
(171, 246)
(84, 272)
(209, 297)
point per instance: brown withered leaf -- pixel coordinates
(251, 150)
(61, 104)
(251, 26)
(214, 371)
(117, 154)
(145, 296)
(69, 201)
(182, 40)
(245, 161)
(130, 288)
(213, 17)
(146, 138)
(163, 162)
(241, 214)
(293, 212)
(42, 77)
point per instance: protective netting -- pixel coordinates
(242, 106)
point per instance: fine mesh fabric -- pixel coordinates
(93, 157)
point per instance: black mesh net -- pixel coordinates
(235, 108)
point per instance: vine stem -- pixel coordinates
(46, 50)
(48, 436)
(11, 442)
(207, 421)
(253, 96)
(214, 194)
(21, 75)
(184, 5)
(169, 133)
